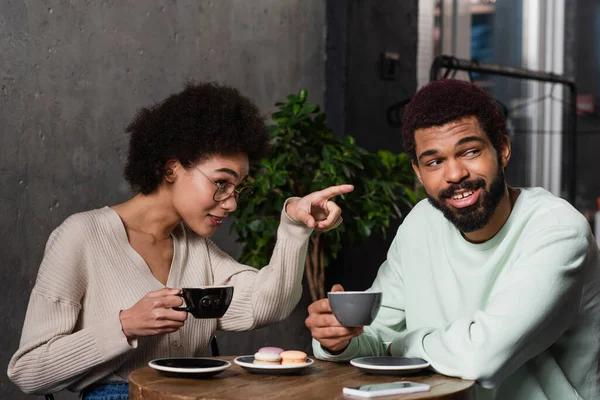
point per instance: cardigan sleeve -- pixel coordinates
(270, 294)
(53, 353)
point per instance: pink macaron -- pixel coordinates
(266, 357)
(276, 350)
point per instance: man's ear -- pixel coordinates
(505, 151)
(416, 169)
(172, 168)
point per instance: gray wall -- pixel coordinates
(72, 76)
(586, 59)
(357, 99)
(375, 28)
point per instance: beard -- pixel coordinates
(476, 216)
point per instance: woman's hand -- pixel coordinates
(316, 210)
(154, 314)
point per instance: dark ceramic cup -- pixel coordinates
(207, 301)
(355, 308)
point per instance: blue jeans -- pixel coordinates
(113, 391)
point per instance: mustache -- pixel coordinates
(466, 185)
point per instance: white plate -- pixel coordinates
(196, 366)
(247, 362)
(389, 365)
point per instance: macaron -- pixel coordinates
(293, 357)
(265, 357)
(271, 350)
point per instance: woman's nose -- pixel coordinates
(229, 204)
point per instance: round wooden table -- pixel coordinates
(322, 380)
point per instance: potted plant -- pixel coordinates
(305, 157)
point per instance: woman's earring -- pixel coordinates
(168, 171)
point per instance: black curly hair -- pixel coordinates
(448, 100)
(204, 119)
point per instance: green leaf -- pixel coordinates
(302, 95)
(347, 172)
(355, 162)
(411, 195)
(320, 119)
(398, 212)
(279, 178)
(363, 229)
(256, 225)
(309, 108)
(328, 167)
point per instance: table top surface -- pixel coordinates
(322, 380)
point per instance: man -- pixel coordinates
(484, 281)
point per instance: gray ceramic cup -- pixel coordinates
(355, 308)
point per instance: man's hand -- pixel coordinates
(326, 329)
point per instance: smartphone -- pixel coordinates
(386, 389)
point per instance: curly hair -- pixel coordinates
(448, 100)
(204, 119)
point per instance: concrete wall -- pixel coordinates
(72, 76)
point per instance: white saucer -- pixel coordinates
(247, 362)
(196, 366)
(389, 365)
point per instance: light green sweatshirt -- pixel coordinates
(519, 313)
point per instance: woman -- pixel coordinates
(103, 301)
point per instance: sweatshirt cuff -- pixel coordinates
(410, 344)
(110, 339)
(292, 228)
(348, 354)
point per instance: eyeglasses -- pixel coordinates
(225, 190)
